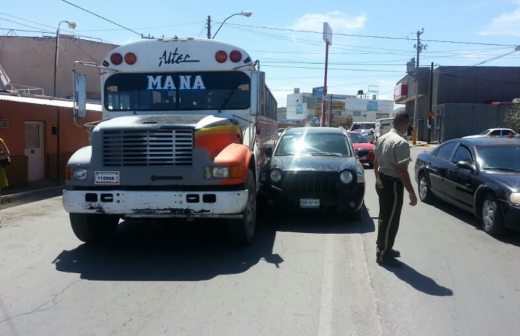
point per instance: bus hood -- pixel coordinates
(165, 121)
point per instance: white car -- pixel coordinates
(496, 132)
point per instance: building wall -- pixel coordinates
(458, 120)
(477, 85)
(72, 137)
(345, 109)
(30, 61)
(474, 88)
(299, 105)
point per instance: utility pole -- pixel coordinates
(327, 38)
(209, 27)
(430, 105)
(419, 48)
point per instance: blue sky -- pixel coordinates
(371, 44)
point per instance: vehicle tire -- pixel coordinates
(491, 216)
(93, 229)
(242, 231)
(425, 193)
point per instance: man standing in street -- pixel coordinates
(391, 171)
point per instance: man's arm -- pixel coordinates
(402, 172)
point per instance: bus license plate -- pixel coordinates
(106, 177)
(309, 203)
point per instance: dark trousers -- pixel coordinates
(390, 204)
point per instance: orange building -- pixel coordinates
(28, 125)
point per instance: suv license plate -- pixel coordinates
(309, 203)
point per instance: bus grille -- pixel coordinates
(147, 147)
(310, 182)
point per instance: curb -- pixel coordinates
(31, 195)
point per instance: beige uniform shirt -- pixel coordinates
(392, 150)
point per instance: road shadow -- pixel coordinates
(510, 237)
(322, 223)
(165, 251)
(415, 279)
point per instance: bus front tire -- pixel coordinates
(242, 231)
(93, 229)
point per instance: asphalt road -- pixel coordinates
(304, 275)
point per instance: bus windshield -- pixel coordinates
(177, 91)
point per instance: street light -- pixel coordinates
(243, 13)
(72, 25)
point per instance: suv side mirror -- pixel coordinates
(268, 152)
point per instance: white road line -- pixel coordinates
(326, 306)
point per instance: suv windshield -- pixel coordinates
(177, 91)
(313, 144)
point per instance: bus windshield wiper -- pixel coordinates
(231, 92)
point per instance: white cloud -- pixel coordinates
(338, 21)
(507, 24)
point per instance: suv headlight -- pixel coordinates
(345, 176)
(275, 175)
(515, 198)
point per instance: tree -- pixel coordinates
(513, 116)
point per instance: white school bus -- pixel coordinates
(185, 125)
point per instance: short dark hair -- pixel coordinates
(401, 118)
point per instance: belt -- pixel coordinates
(388, 178)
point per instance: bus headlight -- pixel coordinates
(515, 198)
(79, 174)
(345, 176)
(216, 172)
(275, 175)
(223, 172)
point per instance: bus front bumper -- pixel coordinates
(157, 204)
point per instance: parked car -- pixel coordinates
(382, 126)
(359, 141)
(369, 134)
(496, 132)
(314, 169)
(360, 125)
(480, 175)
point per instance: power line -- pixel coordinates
(19, 18)
(315, 68)
(371, 36)
(103, 18)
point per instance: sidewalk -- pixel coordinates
(419, 143)
(31, 193)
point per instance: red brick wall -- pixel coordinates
(72, 137)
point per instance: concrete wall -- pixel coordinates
(458, 120)
(29, 61)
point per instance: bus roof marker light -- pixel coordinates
(116, 58)
(221, 56)
(235, 56)
(130, 58)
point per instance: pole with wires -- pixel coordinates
(419, 48)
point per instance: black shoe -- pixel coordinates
(379, 257)
(391, 254)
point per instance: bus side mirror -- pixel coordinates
(80, 95)
(257, 92)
